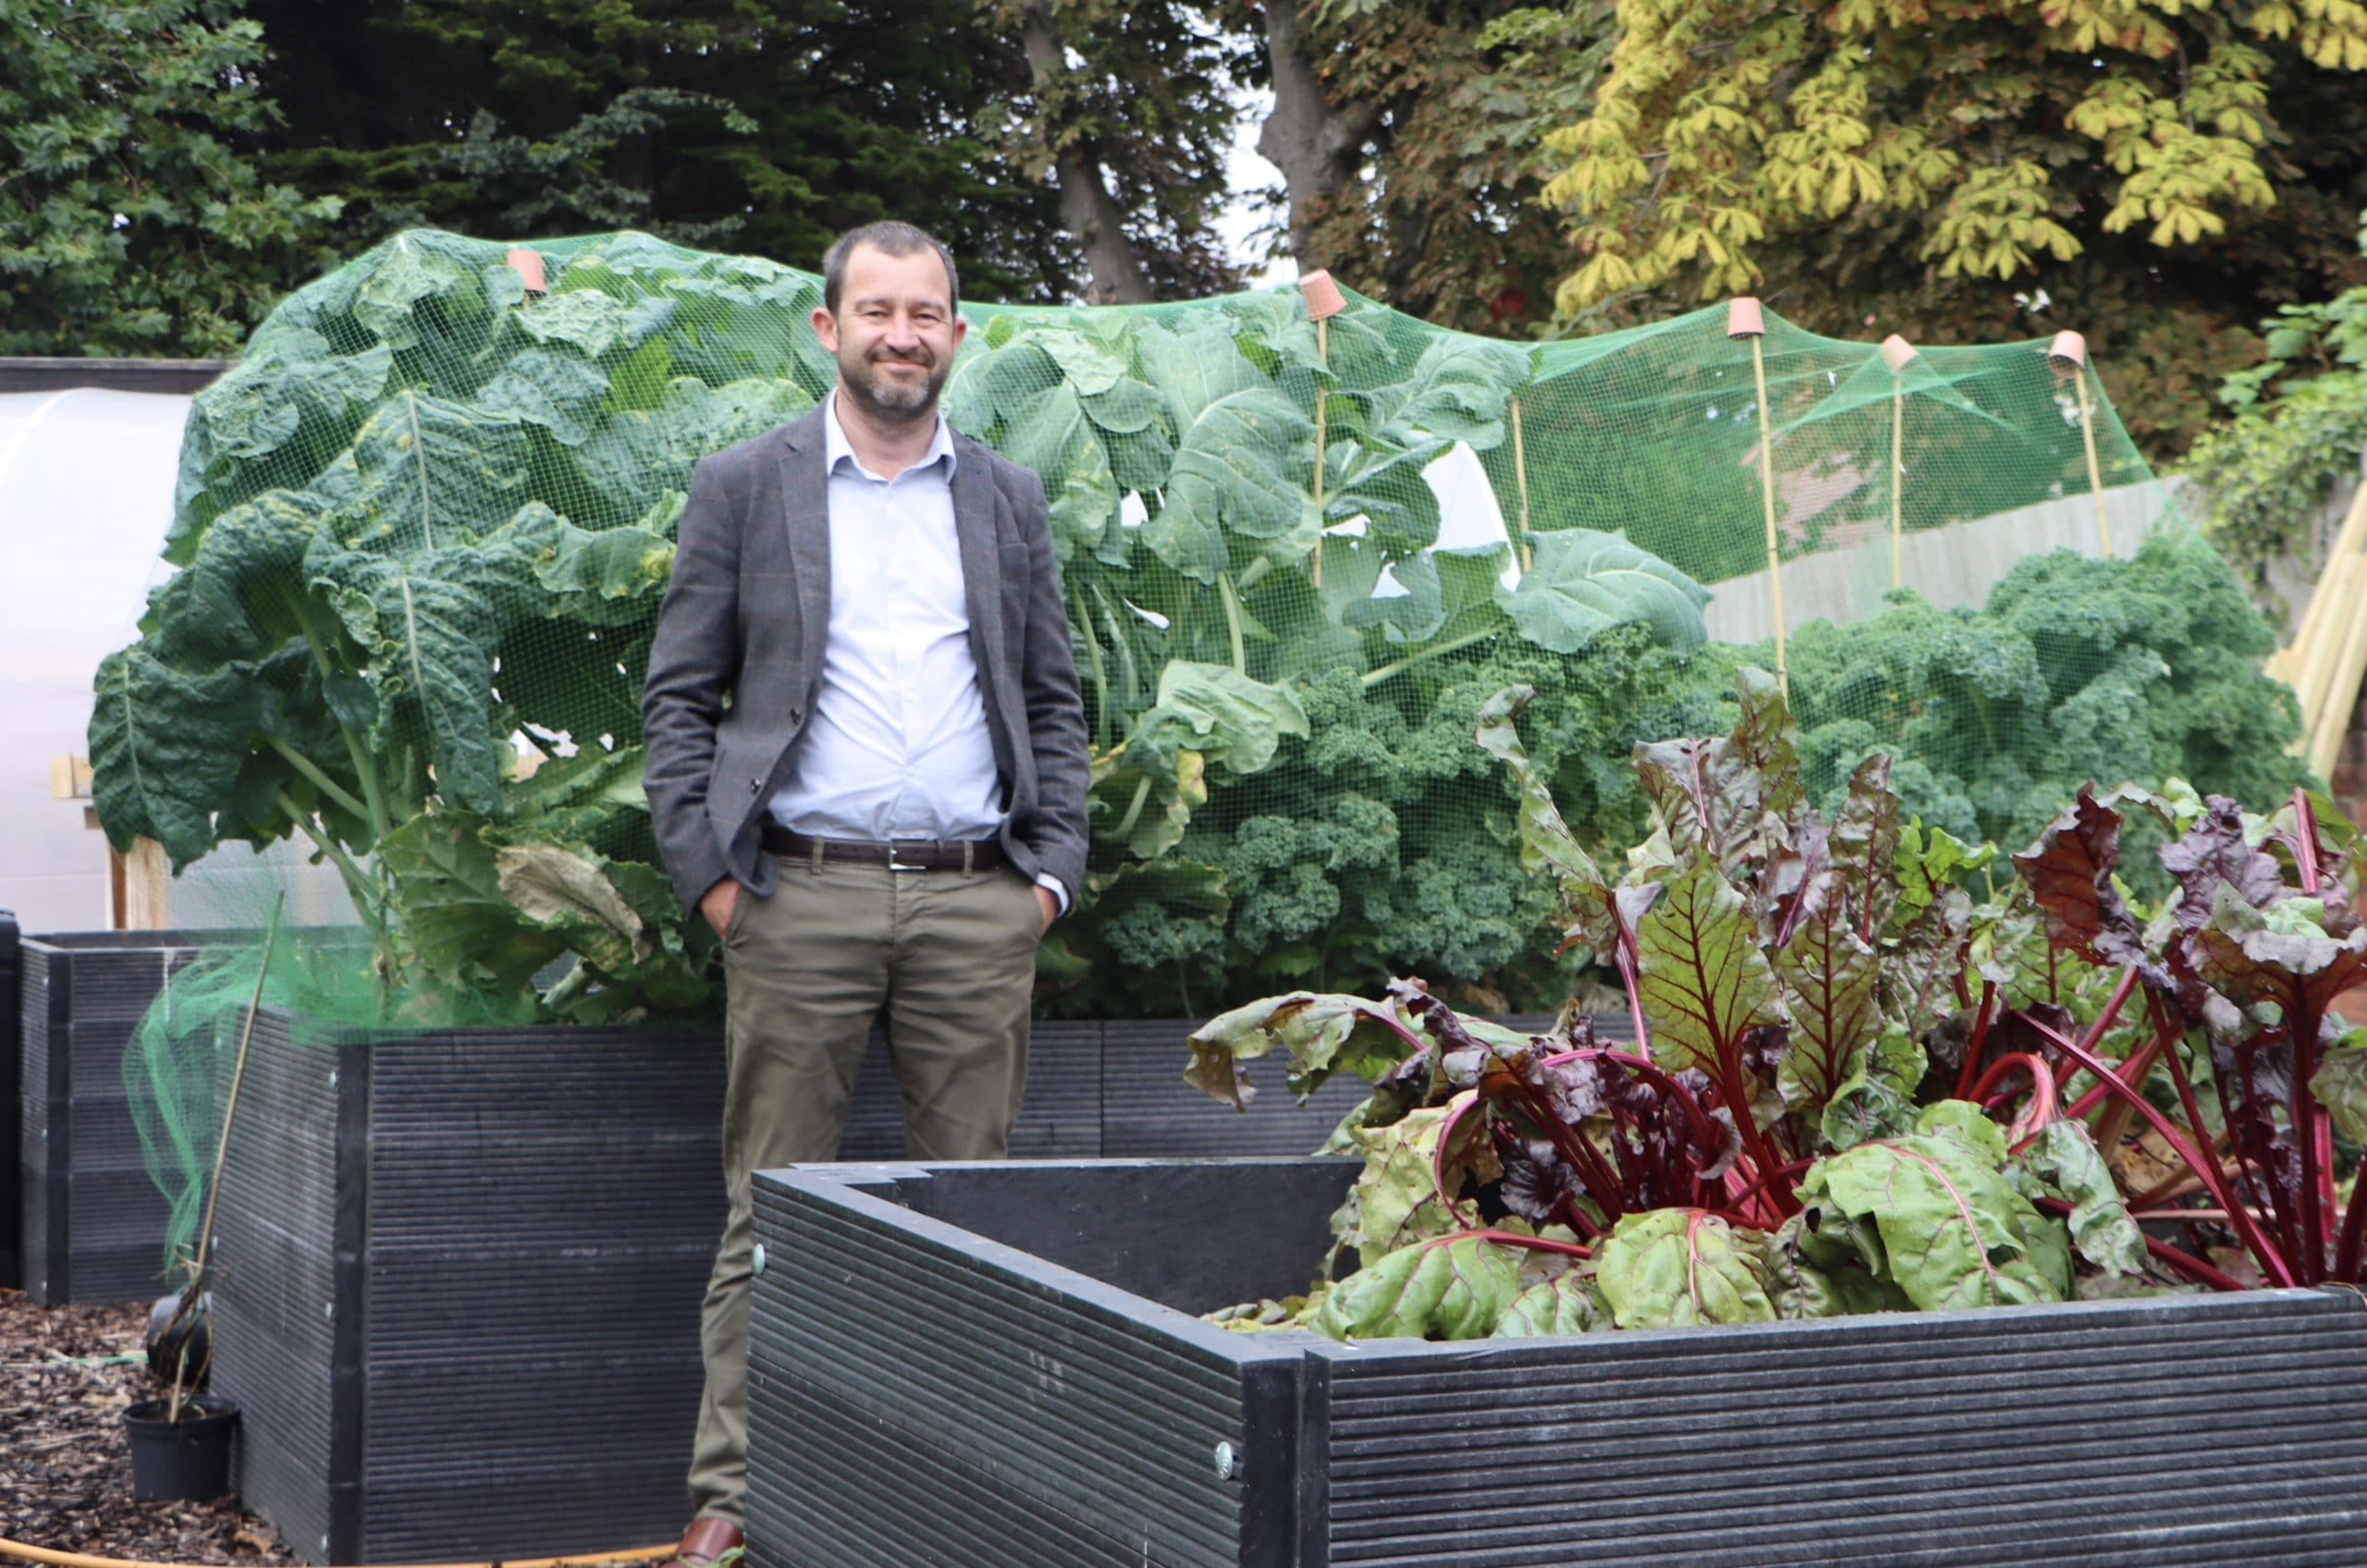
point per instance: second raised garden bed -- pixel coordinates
(998, 1366)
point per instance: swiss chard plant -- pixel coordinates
(2235, 1095)
(1802, 1123)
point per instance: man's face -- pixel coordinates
(895, 332)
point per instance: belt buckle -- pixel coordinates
(895, 864)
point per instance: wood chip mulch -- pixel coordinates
(65, 1470)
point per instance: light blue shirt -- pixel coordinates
(899, 746)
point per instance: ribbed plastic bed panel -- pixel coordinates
(2143, 1434)
(285, 1346)
(101, 1232)
(12, 1113)
(927, 1400)
(515, 1228)
(1061, 1117)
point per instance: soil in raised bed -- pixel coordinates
(65, 1469)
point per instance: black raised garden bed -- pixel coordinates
(92, 1222)
(459, 1271)
(998, 1366)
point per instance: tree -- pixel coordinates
(132, 218)
(1129, 113)
(2162, 173)
(1410, 136)
(766, 129)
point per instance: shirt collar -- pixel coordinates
(836, 448)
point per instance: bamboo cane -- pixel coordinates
(1744, 320)
(1899, 353)
(2339, 586)
(1323, 352)
(1898, 470)
(2069, 351)
(2341, 697)
(221, 1151)
(2348, 541)
(1520, 479)
(1324, 301)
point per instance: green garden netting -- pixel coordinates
(424, 526)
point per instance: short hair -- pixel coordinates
(897, 239)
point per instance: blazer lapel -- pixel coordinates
(805, 488)
(974, 526)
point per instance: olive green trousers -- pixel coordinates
(950, 957)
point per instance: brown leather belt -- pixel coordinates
(899, 854)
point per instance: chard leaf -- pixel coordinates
(2282, 954)
(2070, 873)
(2214, 853)
(1582, 583)
(1323, 1033)
(1830, 979)
(1954, 1232)
(1728, 795)
(2062, 1162)
(1706, 981)
(1454, 1291)
(1567, 1303)
(1865, 844)
(1876, 1098)
(2340, 1085)
(1928, 860)
(1396, 1201)
(1672, 1267)
(167, 746)
(1825, 1264)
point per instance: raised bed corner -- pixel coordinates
(91, 1222)
(997, 1366)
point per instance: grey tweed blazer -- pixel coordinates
(738, 655)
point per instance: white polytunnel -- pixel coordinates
(86, 495)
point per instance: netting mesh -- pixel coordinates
(423, 528)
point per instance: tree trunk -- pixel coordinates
(1114, 273)
(1318, 148)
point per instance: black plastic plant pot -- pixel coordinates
(183, 1460)
(1000, 1367)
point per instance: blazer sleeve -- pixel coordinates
(694, 659)
(1056, 830)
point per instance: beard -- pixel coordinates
(888, 397)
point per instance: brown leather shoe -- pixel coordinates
(706, 1540)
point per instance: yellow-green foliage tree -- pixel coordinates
(2162, 169)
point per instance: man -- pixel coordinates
(890, 810)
